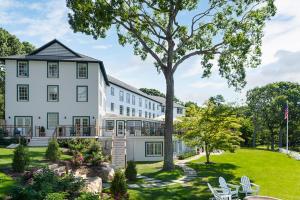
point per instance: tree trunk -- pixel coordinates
(207, 154)
(254, 132)
(280, 137)
(168, 142)
(272, 141)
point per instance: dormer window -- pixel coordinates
(53, 71)
(82, 70)
(22, 69)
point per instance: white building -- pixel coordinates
(55, 91)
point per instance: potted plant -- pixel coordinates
(42, 131)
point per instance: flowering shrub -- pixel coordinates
(77, 159)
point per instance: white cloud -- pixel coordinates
(102, 46)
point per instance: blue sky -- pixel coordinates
(39, 21)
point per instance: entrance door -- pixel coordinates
(120, 128)
(82, 126)
(23, 125)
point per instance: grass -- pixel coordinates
(37, 159)
(277, 175)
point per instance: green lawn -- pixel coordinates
(36, 160)
(278, 176)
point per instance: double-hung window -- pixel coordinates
(109, 125)
(127, 98)
(121, 110)
(53, 71)
(128, 111)
(140, 102)
(153, 149)
(23, 92)
(112, 106)
(52, 93)
(52, 120)
(121, 96)
(133, 112)
(112, 91)
(82, 70)
(22, 69)
(82, 93)
(133, 100)
(140, 113)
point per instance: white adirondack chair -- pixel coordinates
(227, 188)
(248, 188)
(218, 195)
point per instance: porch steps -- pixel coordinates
(118, 152)
(39, 141)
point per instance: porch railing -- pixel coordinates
(16, 131)
(75, 131)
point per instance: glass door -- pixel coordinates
(120, 128)
(81, 126)
(23, 125)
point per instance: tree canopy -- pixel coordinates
(227, 31)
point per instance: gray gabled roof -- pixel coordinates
(162, 100)
(126, 86)
(77, 57)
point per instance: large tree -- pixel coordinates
(173, 31)
(267, 104)
(9, 45)
(213, 126)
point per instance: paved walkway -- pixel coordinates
(189, 175)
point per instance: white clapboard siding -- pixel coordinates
(55, 50)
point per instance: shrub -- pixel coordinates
(186, 155)
(47, 185)
(94, 154)
(77, 159)
(131, 171)
(20, 159)
(53, 152)
(56, 196)
(88, 196)
(14, 140)
(118, 187)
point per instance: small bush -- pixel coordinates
(56, 196)
(88, 196)
(118, 186)
(94, 154)
(20, 159)
(77, 159)
(131, 171)
(53, 152)
(186, 155)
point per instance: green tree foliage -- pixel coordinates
(53, 151)
(9, 45)
(211, 127)
(153, 92)
(118, 187)
(94, 154)
(267, 104)
(131, 171)
(21, 159)
(227, 31)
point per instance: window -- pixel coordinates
(140, 113)
(127, 98)
(121, 96)
(153, 149)
(82, 93)
(179, 110)
(133, 100)
(133, 127)
(128, 111)
(82, 70)
(149, 105)
(121, 110)
(133, 112)
(22, 69)
(53, 93)
(157, 106)
(53, 71)
(22, 92)
(149, 115)
(112, 91)
(112, 106)
(140, 102)
(146, 113)
(153, 106)
(109, 125)
(163, 109)
(153, 115)
(146, 103)
(52, 120)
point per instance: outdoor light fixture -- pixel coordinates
(65, 117)
(8, 117)
(39, 117)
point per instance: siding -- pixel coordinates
(55, 50)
